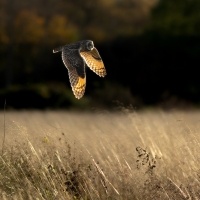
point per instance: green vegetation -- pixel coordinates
(176, 18)
(28, 21)
(53, 95)
(150, 48)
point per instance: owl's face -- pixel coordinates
(89, 45)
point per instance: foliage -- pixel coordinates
(28, 28)
(144, 44)
(181, 17)
(42, 96)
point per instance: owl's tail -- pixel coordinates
(57, 49)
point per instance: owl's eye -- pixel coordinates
(90, 46)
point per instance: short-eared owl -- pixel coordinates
(75, 56)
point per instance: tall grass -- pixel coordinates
(101, 155)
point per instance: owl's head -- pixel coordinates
(89, 45)
(86, 45)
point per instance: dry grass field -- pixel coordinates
(100, 155)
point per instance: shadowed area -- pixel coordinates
(150, 49)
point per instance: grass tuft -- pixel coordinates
(108, 156)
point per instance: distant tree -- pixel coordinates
(180, 17)
(28, 28)
(104, 20)
(99, 20)
(59, 30)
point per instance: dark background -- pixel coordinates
(150, 48)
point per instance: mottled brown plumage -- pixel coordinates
(74, 57)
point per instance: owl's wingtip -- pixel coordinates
(78, 98)
(77, 95)
(103, 74)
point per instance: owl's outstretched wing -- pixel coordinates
(94, 61)
(76, 70)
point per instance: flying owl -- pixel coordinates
(75, 56)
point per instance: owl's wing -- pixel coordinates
(94, 61)
(76, 70)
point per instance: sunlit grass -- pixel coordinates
(102, 155)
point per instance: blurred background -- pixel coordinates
(150, 48)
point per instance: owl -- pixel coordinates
(76, 57)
